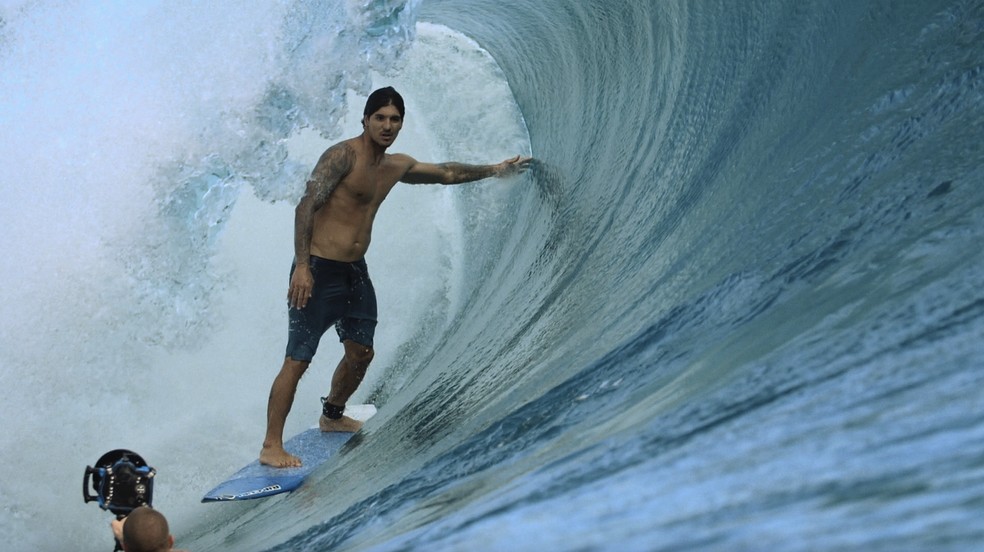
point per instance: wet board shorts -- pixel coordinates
(343, 295)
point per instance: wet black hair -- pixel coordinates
(382, 98)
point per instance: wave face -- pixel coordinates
(736, 305)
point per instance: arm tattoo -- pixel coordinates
(460, 172)
(334, 164)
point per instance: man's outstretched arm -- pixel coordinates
(458, 173)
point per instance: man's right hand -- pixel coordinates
(301, 284)
(117, 526)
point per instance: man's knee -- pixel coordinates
(295, 368)
(358, 354)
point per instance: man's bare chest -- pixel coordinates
(366, 186)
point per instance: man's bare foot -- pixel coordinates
(342, 424)
(277, 457)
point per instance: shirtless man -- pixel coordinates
(329, 282)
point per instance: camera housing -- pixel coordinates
(121, 481)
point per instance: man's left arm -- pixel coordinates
(458, 173)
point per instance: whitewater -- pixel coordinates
(735, 305)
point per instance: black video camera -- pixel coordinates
(122, 481)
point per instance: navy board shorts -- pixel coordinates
(342, 296)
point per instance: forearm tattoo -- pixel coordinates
(460, 172)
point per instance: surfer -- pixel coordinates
(329, 281)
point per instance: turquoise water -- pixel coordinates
(735, 306)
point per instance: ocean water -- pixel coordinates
(735, 305)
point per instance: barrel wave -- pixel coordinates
(736, 304)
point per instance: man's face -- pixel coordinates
(384, 125)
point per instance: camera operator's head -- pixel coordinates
(146, 530)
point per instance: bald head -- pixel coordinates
(146, 530)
